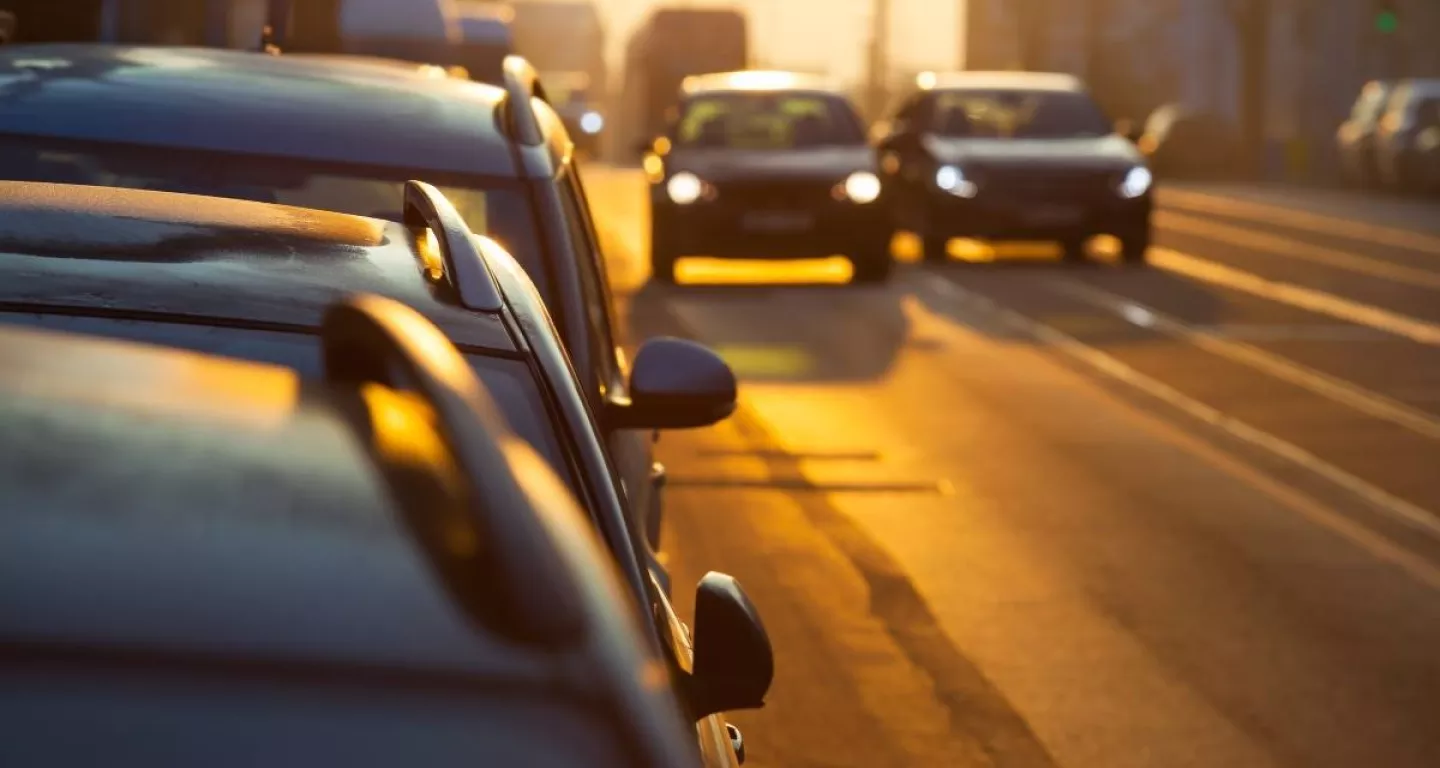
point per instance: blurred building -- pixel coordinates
(1140, 54)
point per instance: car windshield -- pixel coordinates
(768, 121)
(1018, 114)
(496, 207)
(509, 381)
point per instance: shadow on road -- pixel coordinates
(792, 333)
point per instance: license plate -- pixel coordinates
(771, 222)
(1053, 215)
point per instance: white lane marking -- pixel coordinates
(1314, 222)
(1327, 386)
(1297, 296)
(1281, 246)
(1383, 502)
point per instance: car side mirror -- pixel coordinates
(675, 384)
(734, 663)
(1129, 129)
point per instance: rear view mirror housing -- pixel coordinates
(675, 384)
(734, 662)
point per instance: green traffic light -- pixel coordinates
(1386, 22)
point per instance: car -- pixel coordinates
(252, 281)
(1355, 139)
(210, 561)
(343, 135)
(1407, 143)
(1006, 156)
(571, 93)
(765, 165)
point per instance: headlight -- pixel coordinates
(591, 122)
(862, 187)
(1137, 182)
(951, 179)
(684, 188)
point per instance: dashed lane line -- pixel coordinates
(1332, 388)
(1383, 502)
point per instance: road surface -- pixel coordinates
(1005, 512)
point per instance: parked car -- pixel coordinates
(1013, 156)
(253, 280)
(1406, 143)
(344, 135)
(1180, 143)
(212, 562)
(1355, 139)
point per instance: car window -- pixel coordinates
(1018, 114)
(597, 297)
(495, 207)
(768, 121)
(509, 381)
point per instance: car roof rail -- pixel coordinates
(469, 511)
(459, 262)
(522, 83)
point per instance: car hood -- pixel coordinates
(1102, 153)
(730, 164)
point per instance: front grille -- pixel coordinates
(1045, 184)
(775, 195)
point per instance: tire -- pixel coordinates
(1134, 248)
(662, 257)
(934, 249)
(873, 267)
(1073, 252)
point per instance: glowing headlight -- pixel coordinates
(862, 187)
(684, 188)
(591, 122)
(1137, 182)
(951, 179)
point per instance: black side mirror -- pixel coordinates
(675, 384)
(734, 663)
(1129, 129)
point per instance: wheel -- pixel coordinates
(934, 249)
(1134, 248)
(662, 257)
(873, 267)
(1073, 251)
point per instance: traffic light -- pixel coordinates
(1387, 19)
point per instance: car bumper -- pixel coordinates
(1014, 219)
(739, 232)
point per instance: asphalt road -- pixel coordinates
(1005, 512)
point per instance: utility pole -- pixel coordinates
(879, 59)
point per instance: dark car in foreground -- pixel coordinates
(341, 134)
(1013, 156)
(766, 165)
(252, 281)
(212, 562)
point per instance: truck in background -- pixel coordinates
(671, 45)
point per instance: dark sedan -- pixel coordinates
(1013, 156)
(767, 165)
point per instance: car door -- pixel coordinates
(632, 451)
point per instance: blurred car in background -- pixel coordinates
(1407, 145)
(1012, 156)
(1179, 143)
(767, 165)
(253, 281)
(215, 562)
(341, 134)
(1355, 139)
(578, 106)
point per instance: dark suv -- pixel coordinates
(211, 562)
(767, 165)
(342, 135)
(252, 281)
